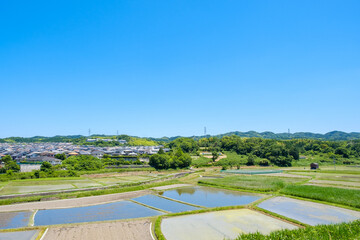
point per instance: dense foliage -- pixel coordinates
(282, 152)
(10, 165)
(82, 162)
(175, 160)
(187, 145)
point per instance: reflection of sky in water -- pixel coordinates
(103, 212)
(14, 219)
(210, 197)
(309, 212)
(164, 204)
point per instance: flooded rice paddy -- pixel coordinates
(209, 225)
(164, 204)
(14, 219)
(21, 235)
(102, 212)
(220, 225)
(210, 197)
(309, 212)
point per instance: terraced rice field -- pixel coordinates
(95, 213)
(309, 212)
(124, 230)
(48, 185)
(219, 225)
(20, 235)
(211, 197)
(14, 219)
(146, 204)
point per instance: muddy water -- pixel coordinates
(210, 197)
(103, 212)
(309, 212)
(14, 219)
(164, 204)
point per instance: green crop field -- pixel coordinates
(348, 197)
(259, 183)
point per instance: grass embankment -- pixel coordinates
(257, 183)
(349, 197)
(344, 231)
(129, 188)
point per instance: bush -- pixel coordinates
(264, 162)
(46, 167)
(250, 160)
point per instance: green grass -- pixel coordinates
(257, 183)
(343, 231)
(201, 162)
(349, 197)
(232, 159)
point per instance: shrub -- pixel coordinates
(250, 160)
(264, 162)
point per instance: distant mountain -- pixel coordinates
(330, 136)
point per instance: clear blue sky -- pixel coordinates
(165, 68)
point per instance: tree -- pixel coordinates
(264, 162)
(161, 151)
(250, 160)
(342, 151)
(294, 152)
(46, 167)
(159, 161)
(215, 155)
(186, 144)
(60, 156)
(12, 165)
(6, 159)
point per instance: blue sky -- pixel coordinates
(165, 68)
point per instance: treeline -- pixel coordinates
(278, 152)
